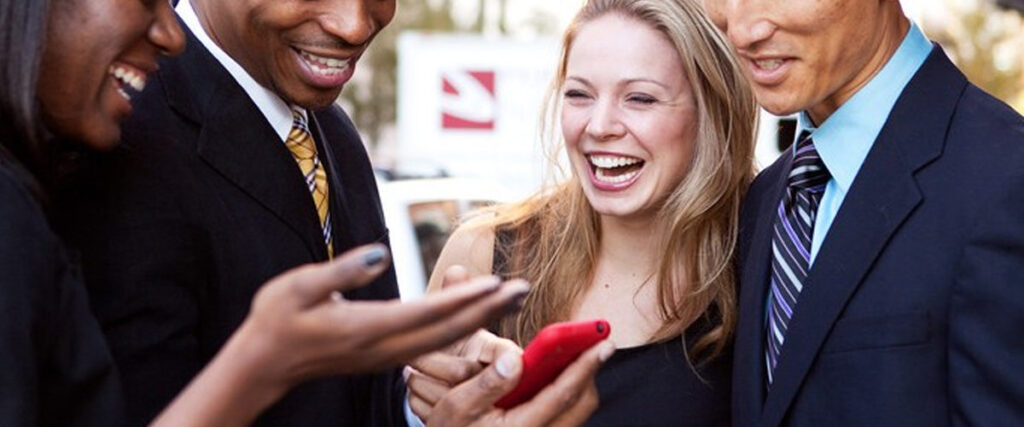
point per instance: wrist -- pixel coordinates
(251, 367)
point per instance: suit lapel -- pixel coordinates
(350, 179)
(236, 141)
(881, 198)
(749, 357)
(340, 215)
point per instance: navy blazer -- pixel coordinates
(913, 312)
(200, 205)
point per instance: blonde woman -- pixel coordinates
(658, 124)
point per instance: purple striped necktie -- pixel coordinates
(792, 232)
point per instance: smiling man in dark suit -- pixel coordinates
(882, 256)
(236, 167)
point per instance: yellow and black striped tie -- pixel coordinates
(303, 149)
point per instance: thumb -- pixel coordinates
(479, 393)
(353, 269)
(485, 347)
(454, 275)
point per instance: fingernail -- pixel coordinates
(519, 286)
(606, 351)
(508, 364)
(374, 256)
(491, 283)
(521, 290)
(406, 372)
(516, 292)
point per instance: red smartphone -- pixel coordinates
(551, 351)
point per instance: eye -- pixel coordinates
(574, 94)
(640, 98)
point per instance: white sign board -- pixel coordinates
(470, 105)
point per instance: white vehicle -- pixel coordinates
(421, 214)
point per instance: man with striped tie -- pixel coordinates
(881, 257)
(238, 166)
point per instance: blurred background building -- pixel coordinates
(453, 89)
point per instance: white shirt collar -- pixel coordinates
(274, 109)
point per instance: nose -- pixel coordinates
(605, 123)
(744, 22)
(356, 21)
(165, 32)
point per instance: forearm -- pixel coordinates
(232, 390)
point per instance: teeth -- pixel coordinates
(323, 65)
(614, 179)
(768, 64)
(604, 162)
(129, 78)
(137, 83)
(612, 161)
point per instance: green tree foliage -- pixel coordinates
(987, 43)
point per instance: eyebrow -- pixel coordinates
(580, 80)
(625, 82)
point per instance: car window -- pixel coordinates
(433, 222)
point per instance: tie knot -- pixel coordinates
(808, 171)
(299, 141)
(299, 120)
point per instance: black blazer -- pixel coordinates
(913, 311)
(56, 369)
(200, 205)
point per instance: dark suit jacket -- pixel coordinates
(54, 365)
(201, 205)
(913, 312)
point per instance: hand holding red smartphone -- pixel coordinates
(552, 350)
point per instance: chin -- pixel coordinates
(778, 108)
(102, 141)
(96, 134)
(313, 100)
(613, 207)
(778, 102)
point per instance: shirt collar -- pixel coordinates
(274, 109)
(844, 139)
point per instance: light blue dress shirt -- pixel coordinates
(845, 138)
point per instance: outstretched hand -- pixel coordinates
(301, 327)
(327, 334)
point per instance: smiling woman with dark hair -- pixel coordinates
(57, 370)
(69, 70)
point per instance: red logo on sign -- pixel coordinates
(468, 100)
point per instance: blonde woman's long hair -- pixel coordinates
(553, 237)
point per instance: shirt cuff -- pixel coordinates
(410, 417)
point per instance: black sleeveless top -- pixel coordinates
(653, 384)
